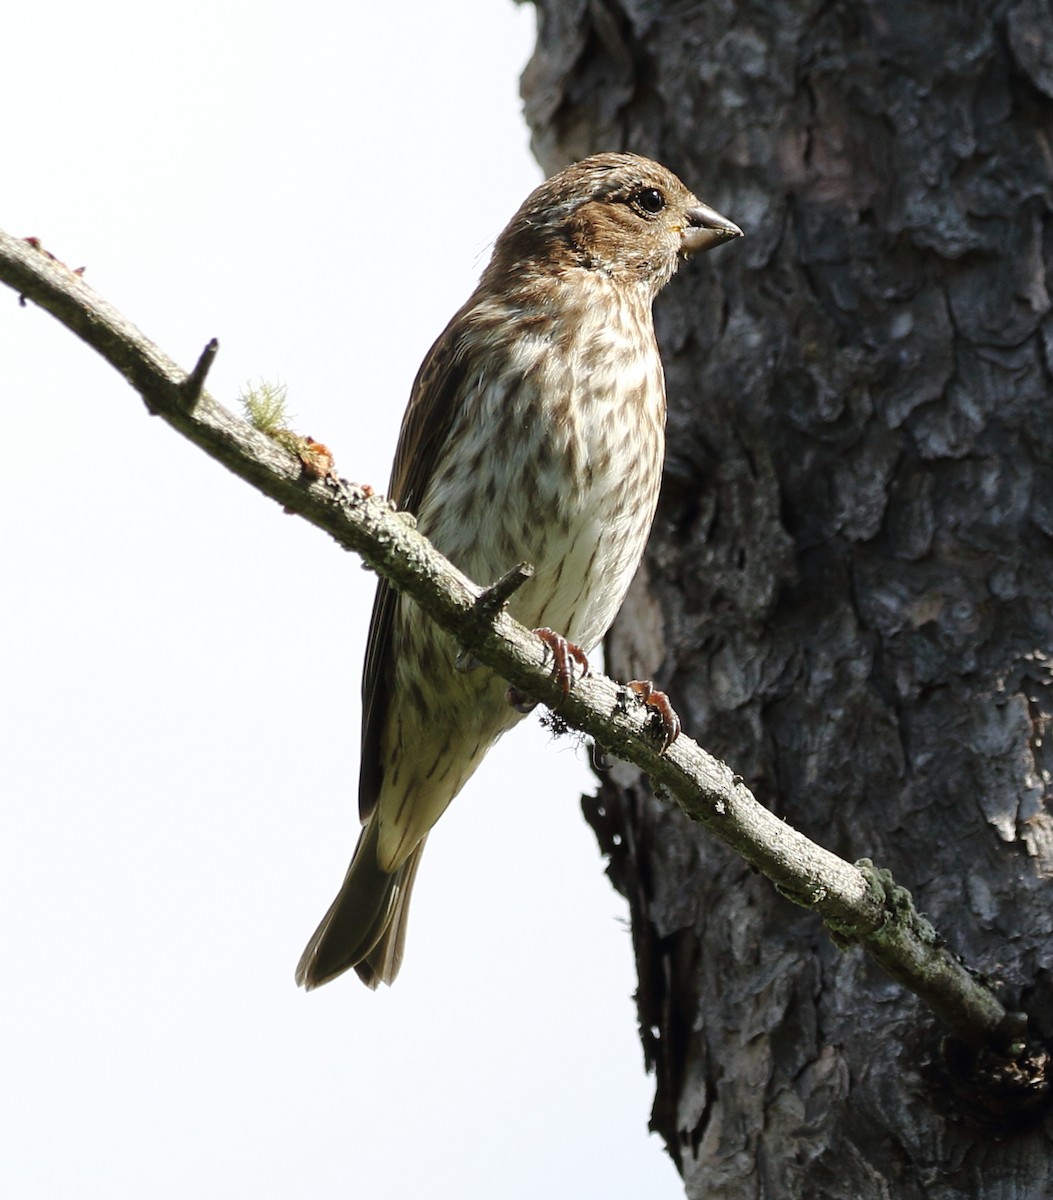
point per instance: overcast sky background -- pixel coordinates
(318, 187)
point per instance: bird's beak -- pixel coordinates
(705, 229)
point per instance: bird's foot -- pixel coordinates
(564, 654)
(658, 701)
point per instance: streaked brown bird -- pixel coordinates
(534, 432)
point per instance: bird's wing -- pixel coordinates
(434, 402)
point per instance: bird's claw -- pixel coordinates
(659, 701)
(564, 654)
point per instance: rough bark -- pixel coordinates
(848, 590)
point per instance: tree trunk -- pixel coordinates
(848, 590)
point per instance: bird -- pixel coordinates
(534, 433)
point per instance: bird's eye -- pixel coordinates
(648, 200)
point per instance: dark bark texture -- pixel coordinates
(849, 589)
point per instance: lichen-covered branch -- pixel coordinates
(859, 904)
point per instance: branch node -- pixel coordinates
(493, 598)
(191, 387)
(488, 604)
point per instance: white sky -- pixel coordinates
(317, 186)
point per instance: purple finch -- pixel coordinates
(534, 432)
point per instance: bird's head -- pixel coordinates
(618, 214)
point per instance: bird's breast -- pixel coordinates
(555, 459)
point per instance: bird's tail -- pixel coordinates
(365, 926)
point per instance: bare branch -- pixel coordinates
(859, 904)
